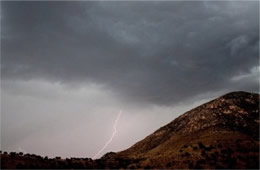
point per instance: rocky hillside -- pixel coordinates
(223, 133)
(237, 112)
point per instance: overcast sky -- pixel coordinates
(68, 68)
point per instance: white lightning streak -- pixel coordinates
(112, 136)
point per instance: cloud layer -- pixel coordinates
(156, 52)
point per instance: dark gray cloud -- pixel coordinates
(155, 52)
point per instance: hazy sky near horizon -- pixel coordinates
(68, 68)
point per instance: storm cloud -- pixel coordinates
(159, 52)
(81, 62)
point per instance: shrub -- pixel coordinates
(20, 166)
(224, 151)
(12, 154)
(195, 148)
(212, 147)
(219, 167)
(190, 165)
(213, 156)
(197, 166)
(229, 150)
(201, 145)
(207, 148)
(203, 153)
(219, 145)
(232, 163)
(201, 161)
(147, 167)
(132, 167)
(187, 154)
(184, 146)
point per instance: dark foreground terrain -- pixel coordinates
(223, 133)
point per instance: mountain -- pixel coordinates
(223, 133)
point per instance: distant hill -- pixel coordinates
(223, 133)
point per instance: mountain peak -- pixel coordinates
(236, 94)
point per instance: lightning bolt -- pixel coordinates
(112, 136)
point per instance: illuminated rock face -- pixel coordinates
(237, 110)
